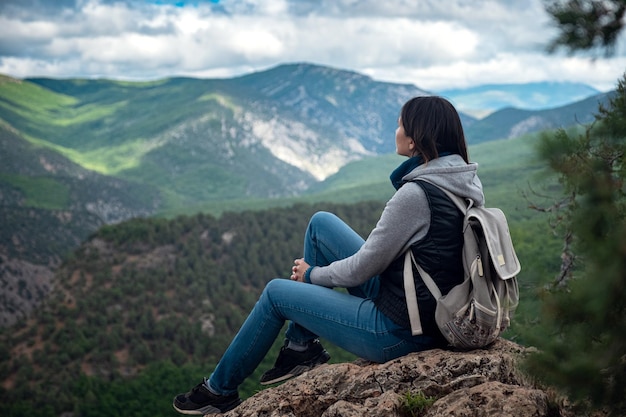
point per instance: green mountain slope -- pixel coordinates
(267, 134)
(44, 195)
(511, 122)
(275, 133)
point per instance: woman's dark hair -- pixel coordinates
(435, 126)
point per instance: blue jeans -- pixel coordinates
(350, 321)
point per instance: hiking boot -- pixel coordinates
(201, 401)
(291, 363)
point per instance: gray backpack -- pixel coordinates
(474, 313)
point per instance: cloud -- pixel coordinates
(433, 44)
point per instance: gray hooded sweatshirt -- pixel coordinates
(404, 221)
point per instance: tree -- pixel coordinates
(587, 25)
(583, 339)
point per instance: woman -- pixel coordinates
(371, 321)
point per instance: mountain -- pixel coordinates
(275, 133)
(484, 99)
(511, 123)
(305, 121)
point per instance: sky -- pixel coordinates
(432, 44)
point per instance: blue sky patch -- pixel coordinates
(181, 3)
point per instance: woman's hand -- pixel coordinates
(298, 270)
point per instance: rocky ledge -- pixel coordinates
(479, 383)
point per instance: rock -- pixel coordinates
(492, 398)
(478, 383)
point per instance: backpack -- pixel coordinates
(474, 313)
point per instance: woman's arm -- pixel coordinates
(404, 220)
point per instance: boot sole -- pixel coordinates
(208, 409)
(320, 359)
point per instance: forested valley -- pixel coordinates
(144, 309)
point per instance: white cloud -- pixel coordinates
(433, 44)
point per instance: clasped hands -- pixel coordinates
(298, 269)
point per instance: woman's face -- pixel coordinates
(404, 144)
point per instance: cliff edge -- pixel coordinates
(480, 383)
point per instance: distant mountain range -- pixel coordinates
(76, 154)
(485, 99)
(510, 122)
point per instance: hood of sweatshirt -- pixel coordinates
(451, 173)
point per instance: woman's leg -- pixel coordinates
(350, 322)
(327, 239)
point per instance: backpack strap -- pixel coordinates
(411, 294)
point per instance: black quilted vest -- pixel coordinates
(439, 253)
